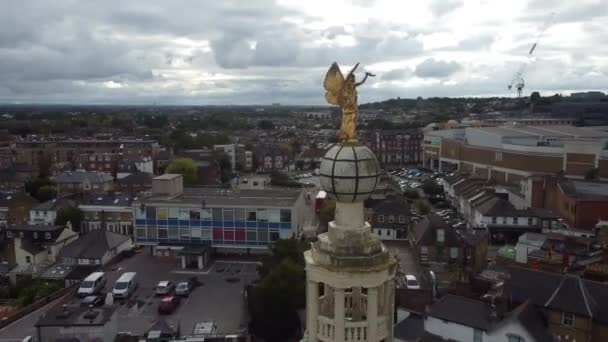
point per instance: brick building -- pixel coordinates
(396, 148)
(580, 203)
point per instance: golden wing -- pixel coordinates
(334, 80)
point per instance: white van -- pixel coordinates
(92, 284)
(125, 285)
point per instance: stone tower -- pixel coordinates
(349, 273)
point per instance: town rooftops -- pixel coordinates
(112, 200)
(92, 245)
(223, 197)
(461, 310)
(69, 177)
(55, 203)
(585, 190)
(67, 316)
(559, 292)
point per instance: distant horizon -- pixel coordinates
(274, 104)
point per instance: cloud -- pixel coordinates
(264, 51)
(432, 68)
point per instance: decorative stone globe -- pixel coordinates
(349, 173)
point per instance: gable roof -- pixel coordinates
(572, 295)
(531, 319)
(425, 231)
(93, 245)
(69, 177)
(559, 292)
(464, 311)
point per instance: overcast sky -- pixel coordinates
(265, 51)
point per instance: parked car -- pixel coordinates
(94, 300)
(168, 304)
(184, 288)
(411, 282)
(92, 284)
(164, 287)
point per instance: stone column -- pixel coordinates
(200, 262)
(183, 257)
(312, 307)
(356, 298)
(339, 314)
(372, 314)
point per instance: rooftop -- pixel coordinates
(66, 316)
(223, 197)
(168, 176)
(584, 190)
(82, 176)
(464, 311)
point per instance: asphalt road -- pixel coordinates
(219, 298)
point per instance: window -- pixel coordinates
(162, 213)
(285, 215)
(274, 215)
(477, 335)
(494, 220)
(498, 156)
(401, 219)
(454, 252)
(515, 220)
(380, 218)
(195, 215)
(515, 338)
(184, 214)
(368, 219)
(530, 221)
(228, 214)
(262, 215)
(440, 235)
(28, 259)
(252, 215)
(173, 213)
(206, 214)
(379, 231)
(21, 235)
(424, 251)
(217, 214)
(35, 235)
(239, 214)
(504, 220)
(391, 219)
(568, 318)
(9, 234)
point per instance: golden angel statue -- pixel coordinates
(343, 92)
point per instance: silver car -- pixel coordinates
(184, 288)
(164, 287)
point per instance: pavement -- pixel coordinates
(220, 298)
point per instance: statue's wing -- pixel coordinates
(334, 80)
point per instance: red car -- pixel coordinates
(168, 304)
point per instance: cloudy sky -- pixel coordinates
(265, 51)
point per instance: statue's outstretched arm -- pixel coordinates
(367, 74)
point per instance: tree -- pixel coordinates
(281, 179)
(185, 167)
(33, 187)
(422, 207)
(225, 165)
(534, 97)
(412, 194)
(46, 192)
(592, 174)
(280, 292)
(265, 124)
(69, 214)
(327, 212)
(431, 187)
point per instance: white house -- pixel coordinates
(45, 213)
(38, 244)
(462, 319)
(97, 247)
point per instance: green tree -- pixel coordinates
(592, 174)
(46, 192)
(431, 187)
(265, 124)
(327, 212)
(422, 207)
(185, 167)
(69, 214)
(282, 179)
(280, 292)
(33, 187)
(412, 194)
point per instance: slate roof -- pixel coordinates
(93, 245)
(425, 231)
(410, 329)
(137, 178)
(115, 200)
(531, 319)
(31, 247)
(559, 292)
(69, 177)
(55, 204)
(584, 190)
(464, 311)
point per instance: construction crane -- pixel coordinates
(518, 80)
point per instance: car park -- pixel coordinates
(164, 287)
(168, 304)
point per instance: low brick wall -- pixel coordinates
(35, 306)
